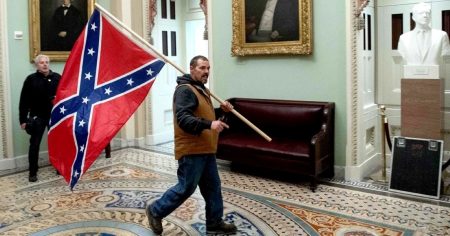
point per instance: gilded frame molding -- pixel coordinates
(361, 4)
(240, 47)
(35, 31)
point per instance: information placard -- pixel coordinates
(416, 166)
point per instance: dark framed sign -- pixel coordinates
(262, 27)
(54, 28)
(416, 166)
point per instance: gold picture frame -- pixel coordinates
(361, 4)
(294, 37)
(41, 23)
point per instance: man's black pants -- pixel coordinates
(35, 141)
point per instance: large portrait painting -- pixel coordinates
(262, 27)
(55, 26)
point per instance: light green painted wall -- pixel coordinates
(318, 77)
(20, 67)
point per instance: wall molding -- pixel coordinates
(21, 162)
(352, 156)
(355, 172)
(6, 148)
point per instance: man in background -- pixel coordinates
(35, 105)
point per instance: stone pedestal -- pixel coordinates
(422, 101)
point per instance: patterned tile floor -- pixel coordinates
(110, 200)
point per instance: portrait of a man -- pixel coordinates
(271, 20)
(61, 23)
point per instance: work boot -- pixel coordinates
(221, 228)
(154, 223)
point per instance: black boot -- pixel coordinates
(154, 223)
(221, 228)
(108, 151)
(32, 178)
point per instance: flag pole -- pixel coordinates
(165, 59)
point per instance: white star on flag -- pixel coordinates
(81, 123)
(130, 81)
(62, 110)
(88, 76)
(85, 100)
(91, 51)
(108, 91)
(93, 27)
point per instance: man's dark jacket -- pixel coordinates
(37, 95)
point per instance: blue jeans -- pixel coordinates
(194, 170)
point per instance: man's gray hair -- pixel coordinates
(38, 57)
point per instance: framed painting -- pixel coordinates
(55, 25)
(265, 27)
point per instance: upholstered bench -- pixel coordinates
(302, 135)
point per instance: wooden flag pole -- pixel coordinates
(245, 120)
(166, 60)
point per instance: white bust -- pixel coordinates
(423, 45)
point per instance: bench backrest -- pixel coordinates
(281, 117)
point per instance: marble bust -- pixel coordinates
(423, 45)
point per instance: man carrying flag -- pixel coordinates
(96, 97)
(196, 133)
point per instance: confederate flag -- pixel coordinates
(106, 78)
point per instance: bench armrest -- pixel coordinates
(323, 141)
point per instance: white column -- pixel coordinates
(122, 10)
(134, 131)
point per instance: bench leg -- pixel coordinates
(313, 185)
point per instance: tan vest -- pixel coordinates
(206, 142)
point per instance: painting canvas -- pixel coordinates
(271, 27)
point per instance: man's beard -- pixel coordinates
(205, 79)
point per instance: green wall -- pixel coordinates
(20, 67)
(317, 77)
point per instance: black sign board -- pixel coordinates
(416, 166)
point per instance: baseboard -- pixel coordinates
(20, 162)
(339, 172)
(124, 143)
(159, 138)
(10, 163)
(358, 173)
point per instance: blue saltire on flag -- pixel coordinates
(106, 78)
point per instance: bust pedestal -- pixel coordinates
(421, 72)
(422, 100)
